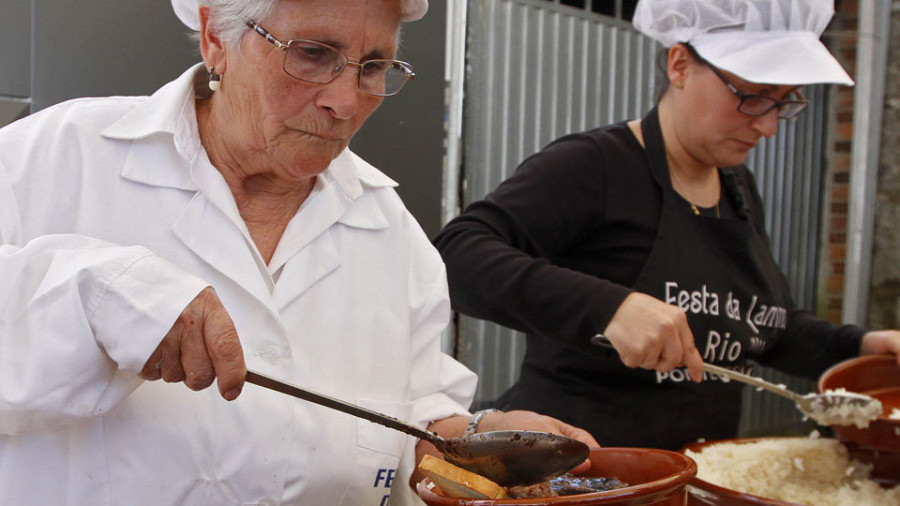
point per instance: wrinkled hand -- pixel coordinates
(651, 334)
(202, 345)
(531, 421)
(880, 342)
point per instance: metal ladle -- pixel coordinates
(508, 457)
(824, 408)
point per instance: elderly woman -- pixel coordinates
(651, 232)
(217, 226)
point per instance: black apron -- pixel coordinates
(720, 271)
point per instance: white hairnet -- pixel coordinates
(762, 41)
(188, 11)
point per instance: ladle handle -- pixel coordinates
(602, 341)
(345, 407)
(752, 380)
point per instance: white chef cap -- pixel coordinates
(761, 41)
(188, 11)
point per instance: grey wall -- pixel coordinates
(87, 48)
(53, 50)
(15, 58)
(15, 48)
(884, 298)
(405, 136)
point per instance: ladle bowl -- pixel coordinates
(515, 457)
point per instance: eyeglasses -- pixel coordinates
(315, 62)
(759, 105)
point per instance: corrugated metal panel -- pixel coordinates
(536, 71)
(789, 171)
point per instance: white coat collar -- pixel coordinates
(171, 110)
(167, 120)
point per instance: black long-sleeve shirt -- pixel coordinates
(554, 250)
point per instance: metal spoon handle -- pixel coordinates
(603, 342)
(752, 380)
(345, 407)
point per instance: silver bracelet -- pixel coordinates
(472, 428)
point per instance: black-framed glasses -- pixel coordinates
(758, 105)
(316, 62)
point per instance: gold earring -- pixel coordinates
(679, 85)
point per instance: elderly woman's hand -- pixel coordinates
(529, 420)
(455, 426)
(201, 346)
(651, 334)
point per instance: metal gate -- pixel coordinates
(536, 70)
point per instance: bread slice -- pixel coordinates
(455, 481)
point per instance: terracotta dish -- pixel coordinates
(877, 376)
(702, 492)
(654, 477)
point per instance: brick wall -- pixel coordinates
(884, 293)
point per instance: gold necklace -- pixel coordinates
(677, 183)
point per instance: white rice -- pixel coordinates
(815, 472)
(895, 414)
(844, 413)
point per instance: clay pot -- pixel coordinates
(655, 477)
(702, 492)
(879, 377)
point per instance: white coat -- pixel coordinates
(112, 219)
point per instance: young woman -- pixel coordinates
(651, 232)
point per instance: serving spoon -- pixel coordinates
(832, 407)
(507, 457)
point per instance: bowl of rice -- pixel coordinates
(784, 471)
(877, 376)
